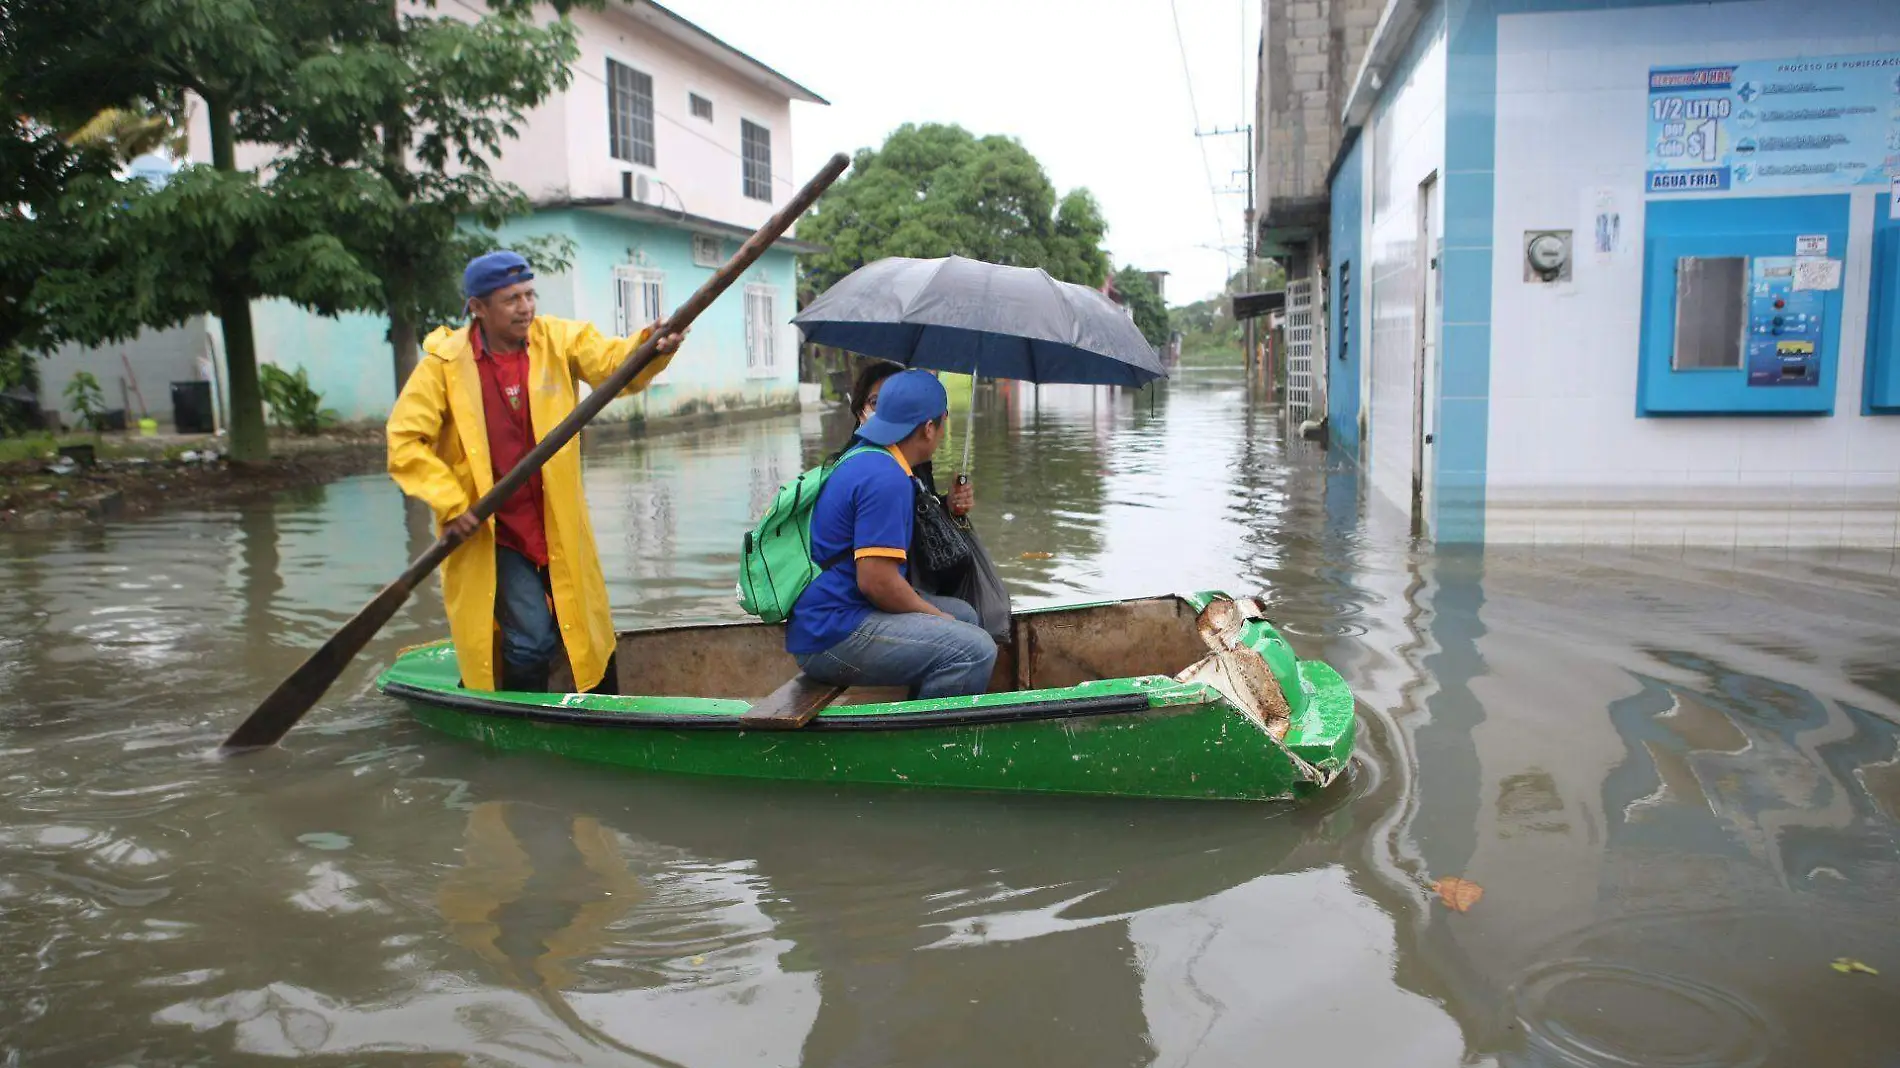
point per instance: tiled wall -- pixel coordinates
(1404, 144)
(1569, 460)
(1345, 305)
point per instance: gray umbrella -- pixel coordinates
(977, 318)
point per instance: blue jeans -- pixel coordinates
(528, 634)
(935, 657)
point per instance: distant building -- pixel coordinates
(1564, 271)
(666, 150)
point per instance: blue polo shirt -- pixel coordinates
(865, 509)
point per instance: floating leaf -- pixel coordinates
(1038, 556)
(1460, 894)
(699, 960)
(1848, 965)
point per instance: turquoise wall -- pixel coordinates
(348, 358)
(710, 369)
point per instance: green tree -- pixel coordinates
(214, 238)
(936, 190)
(1208, 325)
(364, 111)
(414, 106)
(1151, 315)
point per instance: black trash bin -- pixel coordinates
(191, 408)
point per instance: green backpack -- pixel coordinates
(775, 564)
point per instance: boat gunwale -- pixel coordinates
(1041, 709)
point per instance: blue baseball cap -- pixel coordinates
(493, 270)
(908, 400)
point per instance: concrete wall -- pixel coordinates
(158, 358)
(1309, 52)
(1570, 460)
(1404, 145)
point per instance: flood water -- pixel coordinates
(1677, 779)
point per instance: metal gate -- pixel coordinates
(1302, 336)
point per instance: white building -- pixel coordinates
(1623, 274)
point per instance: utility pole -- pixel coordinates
(1247, 279)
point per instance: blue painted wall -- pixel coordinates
(711, 366)
(349, 360)
(1346, 342)
(1464, 371)
(1881, 392)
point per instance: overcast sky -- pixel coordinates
(1095, 90)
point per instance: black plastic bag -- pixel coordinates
(981, 587)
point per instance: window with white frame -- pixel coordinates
(761, 330)
(755, 142)
(707, 250)
(700, 106)
(639, 300)
(629, 114)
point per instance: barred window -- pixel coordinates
(629, 114)
(756, 141)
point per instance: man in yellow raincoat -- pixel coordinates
(477, 403)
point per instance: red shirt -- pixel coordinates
(519, 523)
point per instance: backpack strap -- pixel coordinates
(860, 447)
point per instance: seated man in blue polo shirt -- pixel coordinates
(860, 622)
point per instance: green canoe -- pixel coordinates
(1170, 697)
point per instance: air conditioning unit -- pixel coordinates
(707, 251)
(636, 187)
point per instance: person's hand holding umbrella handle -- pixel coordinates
(963, 497)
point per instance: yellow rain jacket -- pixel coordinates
(438, 453)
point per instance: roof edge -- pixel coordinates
(683, 25)
(676, 220)
(1396, 25)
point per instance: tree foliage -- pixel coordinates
(413, 109)
(1151, 315)
(936, 190)
(377, 126)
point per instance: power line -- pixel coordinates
(1187, 73)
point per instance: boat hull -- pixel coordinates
(1149, 736)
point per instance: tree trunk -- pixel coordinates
(403, 342)
(398, 270)
(250, 442)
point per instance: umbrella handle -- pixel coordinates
(969, 428)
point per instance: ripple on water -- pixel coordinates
(1594, 1014)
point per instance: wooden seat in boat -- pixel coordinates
(792, 705)
(802, 697)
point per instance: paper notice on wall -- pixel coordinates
(1810, 245)
(1603, 221)
(1816, 273)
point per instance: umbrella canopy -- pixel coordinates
(972, 317)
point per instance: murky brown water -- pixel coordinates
(1677, 780)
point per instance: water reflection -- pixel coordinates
(1677, 779)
